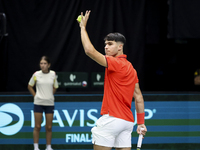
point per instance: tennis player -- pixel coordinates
(46, 85)
(114, 127)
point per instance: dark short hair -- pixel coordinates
(117, 37)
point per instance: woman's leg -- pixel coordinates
(48, 127)
(36, 131)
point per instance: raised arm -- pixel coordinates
(87, 45)
(139, 105)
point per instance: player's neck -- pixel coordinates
(118, 54)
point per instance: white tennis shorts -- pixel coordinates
(112, 132)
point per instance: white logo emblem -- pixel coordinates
(72, 77)
(98, 77)
(9, 114)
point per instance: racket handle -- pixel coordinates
(139, 144)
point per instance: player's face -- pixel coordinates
(111, 48)
(44, 66)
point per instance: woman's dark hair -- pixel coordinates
(117, 37)
(45, 58)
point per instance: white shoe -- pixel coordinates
(49, 149)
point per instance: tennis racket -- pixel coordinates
(139, 144)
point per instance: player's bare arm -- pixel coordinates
(31, 90)
(139, 105)
(54, 90)
(139, 101)
(87, 45)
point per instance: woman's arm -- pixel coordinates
(54, 90)
(31, 90)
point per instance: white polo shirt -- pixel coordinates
(44, 87)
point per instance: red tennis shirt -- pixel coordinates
(119, 84)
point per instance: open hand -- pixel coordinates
(84, 19)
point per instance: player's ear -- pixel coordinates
(120, 46)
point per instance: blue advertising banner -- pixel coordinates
(167, 122)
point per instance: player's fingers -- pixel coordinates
(144, 131)
(138, 131)
(87, 14)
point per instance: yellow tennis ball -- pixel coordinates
(79, 18)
